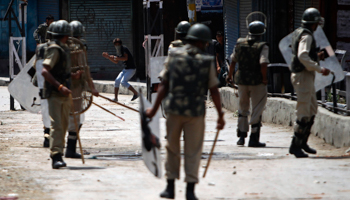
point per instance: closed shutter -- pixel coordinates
(48, 7)
(245, 7)
(299, 7)
(104, 20)
(231, 25)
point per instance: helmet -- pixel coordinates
(50, 28)
(182, 27)
(61, 27)
(77, 28)
(199, 32)
(257, 28)
(311, 16)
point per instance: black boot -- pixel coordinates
(255, 137)
(295, 147)
(57, 161)
(241, 136)
(71, 146)
(304, 145)
(190, 192)
(46, 137)
(169, 190)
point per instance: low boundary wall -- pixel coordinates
(333, 128)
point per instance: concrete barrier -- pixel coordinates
(333, 128)
(108, 87)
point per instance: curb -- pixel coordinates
(333, 128)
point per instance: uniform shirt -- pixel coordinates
(190, 73)
(264, 55)
(213, 80)
(40, 33)
(52, 57)
(303, 53)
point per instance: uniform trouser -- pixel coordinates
(193, 128)
(303, 83)
(258, 95)
(45, 112)
(59, 108)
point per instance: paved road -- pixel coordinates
(234, 173)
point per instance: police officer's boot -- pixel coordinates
(255, 136)
(169, 191)
(190, 192)
(71, 146)
(57, 161)
(46, 137)
(295, 147)
(304, 145)
(242, 136)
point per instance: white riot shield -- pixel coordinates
(331, 62)
(44, 105)
(22, 89)
(151, 157)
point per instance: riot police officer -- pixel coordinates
(186, 79)
(39, 79)
(77, 87)
(181, 31)
(305, 62)
(251, 77)
(57, 74)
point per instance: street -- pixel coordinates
(114, 168)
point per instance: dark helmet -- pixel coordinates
(182, 27)
(199, 32)
(77, 28)
(257, 28)
(311, 16)
(61, 27)
(50, 28)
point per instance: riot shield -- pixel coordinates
(81, 91)
(331, 62)
(150, 135)
(22, 89)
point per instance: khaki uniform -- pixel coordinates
(59, 105)
(249, 82)
(303, 82)
(185, 107)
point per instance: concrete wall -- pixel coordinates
(108, 87)
(334, 129)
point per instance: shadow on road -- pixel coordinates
(331, 157)
(84, 168)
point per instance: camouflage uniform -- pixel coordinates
(57, 57)
(40, 33)
(175, 44)
(249, 80)
(190, 73)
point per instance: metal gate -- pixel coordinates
(299, 7)
(245, 7)
(104, 20)
(231, 16)
(48, 7)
